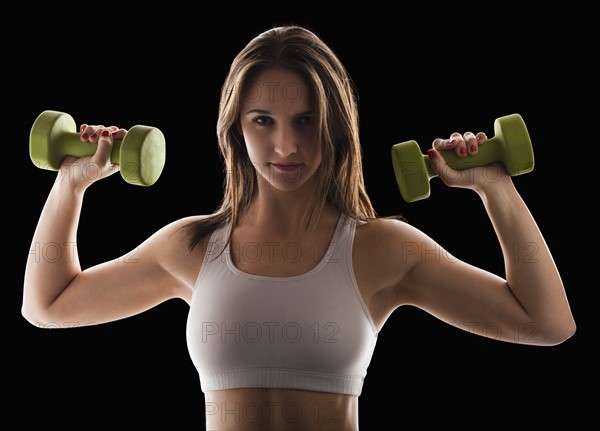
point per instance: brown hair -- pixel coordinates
(339, 178)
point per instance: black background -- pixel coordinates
(419, 76)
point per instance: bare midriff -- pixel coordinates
(280, 409)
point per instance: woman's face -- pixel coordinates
(277, 121)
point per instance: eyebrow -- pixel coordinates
(265, 112)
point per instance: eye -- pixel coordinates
(306, 120)
(263, 120)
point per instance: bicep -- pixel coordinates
(114, 290)
(465, 296)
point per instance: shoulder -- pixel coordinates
(178, 228)
(388, 243)
(173, 238)
(386, 231)
(385, 250)
(169, 249)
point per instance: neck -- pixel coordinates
(283, 211)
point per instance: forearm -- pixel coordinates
(53, 260)
(531, 272)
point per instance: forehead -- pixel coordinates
(276, 86)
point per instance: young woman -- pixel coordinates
(290, 281)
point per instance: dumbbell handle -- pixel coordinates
(489, 152)
(72, 145)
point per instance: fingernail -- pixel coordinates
(431, 154)
(463, 151)
(473, 148)
(105, 133)
(85, 136)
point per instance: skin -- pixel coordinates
(278, 132)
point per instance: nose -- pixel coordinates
(286, 141)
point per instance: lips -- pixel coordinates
(286, 167)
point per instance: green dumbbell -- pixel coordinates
(140, 154)
(510, 145)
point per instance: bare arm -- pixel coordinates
(57, 293)
(529, 306)
(533, 278)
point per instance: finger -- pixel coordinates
(481, 138)
(95, 134)
(437, 162)
(440, 144)
(457, 142)
(471, 143)
(85, 130)
(118, 133)
(105, 143)
(89, 132)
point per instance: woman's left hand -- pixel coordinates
(464, 145)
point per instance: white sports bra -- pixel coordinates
(309, 332)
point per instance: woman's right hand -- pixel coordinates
(83, 172)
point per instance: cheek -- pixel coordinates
(316, 153)
(254, 143)
(317, 162)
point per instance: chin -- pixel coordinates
(288, 183)
(288, 186)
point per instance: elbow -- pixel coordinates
(558, 334)
(29, 316)
(37, 317)
(38, 311)
(32, 317)
(566, 332)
